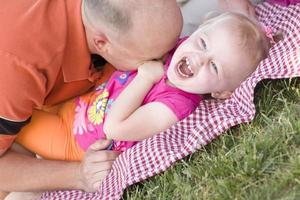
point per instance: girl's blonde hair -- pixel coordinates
(249, 34)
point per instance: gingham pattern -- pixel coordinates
(211, 118)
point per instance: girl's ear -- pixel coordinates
(221, 95)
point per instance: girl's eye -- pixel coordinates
(203, 44)
(214, 66)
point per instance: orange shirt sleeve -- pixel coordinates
(22, 88)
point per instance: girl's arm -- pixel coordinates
(127, 119)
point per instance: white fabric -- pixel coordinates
(193, 12)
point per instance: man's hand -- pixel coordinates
(95, 165)
(20, 172)
(241, 6)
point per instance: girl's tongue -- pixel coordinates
(184, 69)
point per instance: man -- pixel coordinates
(45, 48)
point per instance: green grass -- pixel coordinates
(259, 160)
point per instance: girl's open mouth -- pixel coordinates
(184, 68)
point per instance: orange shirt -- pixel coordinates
(44, 56)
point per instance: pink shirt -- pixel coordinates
(92, 108)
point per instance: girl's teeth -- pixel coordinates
(187, 61)
(184, 68)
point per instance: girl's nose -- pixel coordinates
(203, 60)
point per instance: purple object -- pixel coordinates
(284, 2)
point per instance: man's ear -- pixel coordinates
(100, 42)
(221, 95)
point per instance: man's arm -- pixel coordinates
(5, 142)
(24, 173)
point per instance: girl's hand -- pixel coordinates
(152, 71)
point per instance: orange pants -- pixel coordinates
(50, 135)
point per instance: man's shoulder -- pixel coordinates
(32, 29)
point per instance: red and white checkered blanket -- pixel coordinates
(211, 118)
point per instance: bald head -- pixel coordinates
(120, 14)
(145, 28)
(110, 12)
